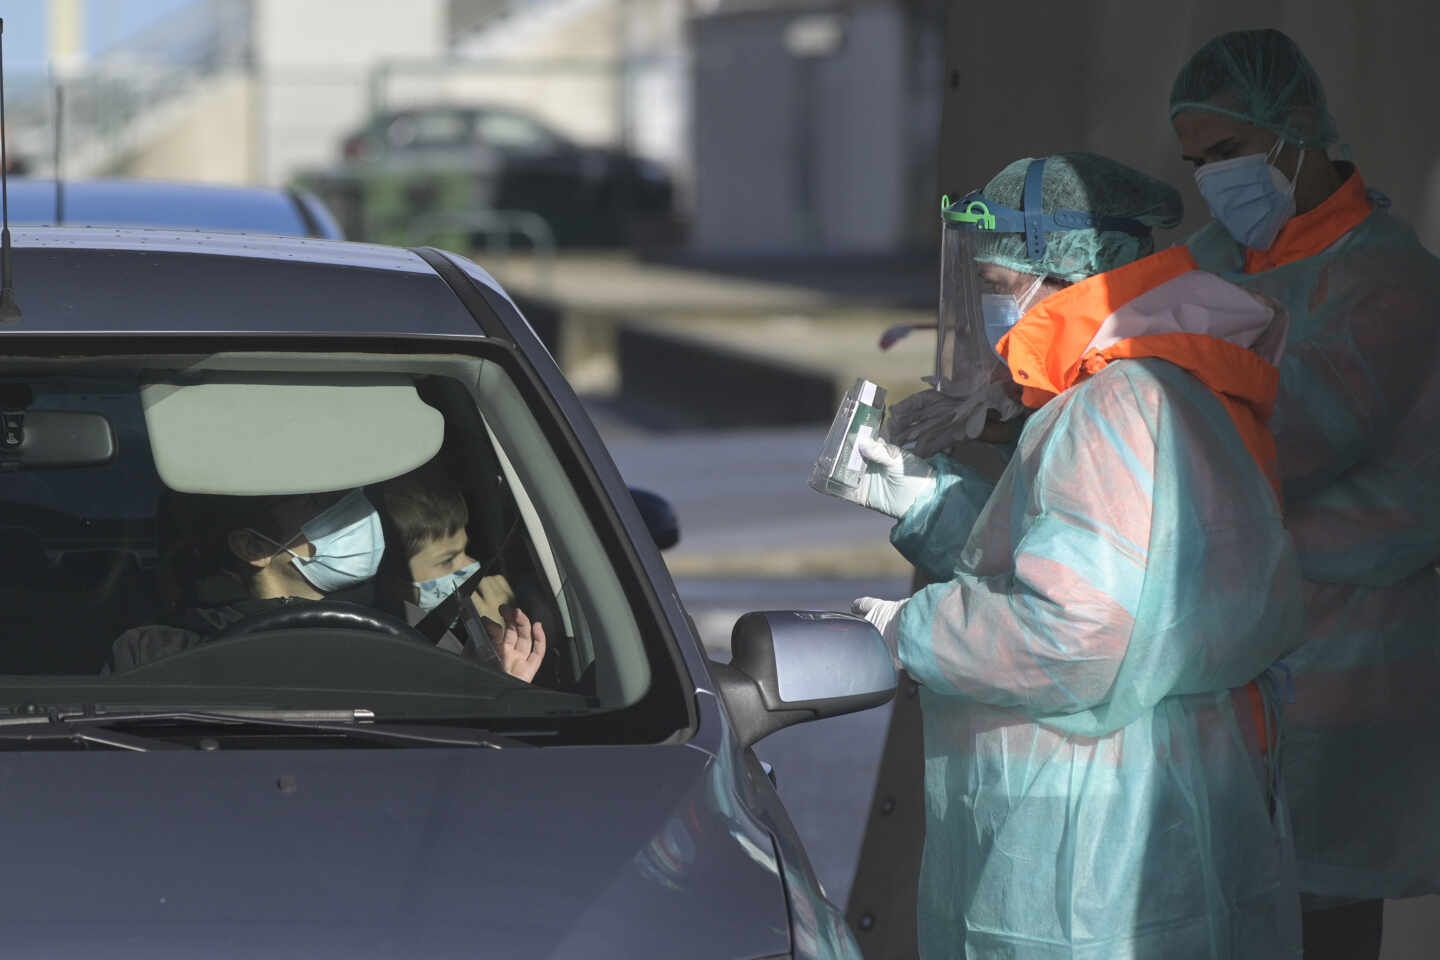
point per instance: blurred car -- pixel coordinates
(586, 194)
(321, 779)
(182, 206)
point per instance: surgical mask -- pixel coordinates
(431, 593)
(1001, 311)
(1249, 196)
(348, 544)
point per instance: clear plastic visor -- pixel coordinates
(964, 359)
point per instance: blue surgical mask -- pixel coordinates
(1001, 311)
(1249, 196)
(348, 544)
(431, 593)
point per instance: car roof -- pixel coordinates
(153, 203)
(120, 280)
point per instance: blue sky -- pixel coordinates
(107, 22)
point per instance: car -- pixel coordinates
(587, 195)
(317, 777)
(154, 203)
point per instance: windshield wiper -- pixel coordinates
(95, 727)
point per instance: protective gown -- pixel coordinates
(1098, 756)
(1357, 422)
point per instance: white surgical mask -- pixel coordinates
(431, 593)
(348, 542)
(1250, 196)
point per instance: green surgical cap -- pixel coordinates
(1259, 77)
(1090, 184)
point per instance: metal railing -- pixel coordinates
(115, 101)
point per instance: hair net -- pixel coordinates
(1262, 78)
(1091, 184)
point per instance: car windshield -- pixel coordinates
(390, 534)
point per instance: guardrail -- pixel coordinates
(497, 226)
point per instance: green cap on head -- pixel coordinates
(1259, 77)
(1088, 183)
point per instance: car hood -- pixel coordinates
(552, 852)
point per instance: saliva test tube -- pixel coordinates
(839, 467)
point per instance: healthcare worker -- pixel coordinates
(1356, 424)
(1099, 724)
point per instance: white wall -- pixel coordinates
(314, 59)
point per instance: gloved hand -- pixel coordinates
(885, 614)
(893, 478)
(932, 420)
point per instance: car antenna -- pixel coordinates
(9, 309)
(59, 145)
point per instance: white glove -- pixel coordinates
(893, 479)
(885, 615)
(932, 420)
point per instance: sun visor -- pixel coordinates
(262, 435)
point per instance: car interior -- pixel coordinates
(105, 462)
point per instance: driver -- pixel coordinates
(244, 556)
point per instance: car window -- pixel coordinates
(139, 578)
(428, 128)
(512, 131)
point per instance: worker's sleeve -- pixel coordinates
(932, 533)
(1134, 553)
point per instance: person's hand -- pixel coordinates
(885, 615)
(932, 421)
(493, 593)
(893, 478)
(519, 644)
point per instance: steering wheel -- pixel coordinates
(325, 613)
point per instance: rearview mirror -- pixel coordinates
(788, 667)
(55, 438)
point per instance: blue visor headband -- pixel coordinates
(974, 212)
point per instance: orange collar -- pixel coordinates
(1045, 348)
(1312, 232)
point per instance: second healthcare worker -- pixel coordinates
(1099, 724)
(1356, 424)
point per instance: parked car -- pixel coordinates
(586, 194)
(320, 779)
(185, 206)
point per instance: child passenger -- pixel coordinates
(429, 515)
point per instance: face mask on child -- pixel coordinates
(431, 593)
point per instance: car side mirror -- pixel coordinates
(789, 667)
(659, 517)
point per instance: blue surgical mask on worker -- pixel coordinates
(348, 542)
(431, 593)
(1001, 311)
(1250, 196)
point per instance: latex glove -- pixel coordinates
(932, 421)
(885, 615)
(893, 479)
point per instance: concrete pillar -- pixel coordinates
(66, 35)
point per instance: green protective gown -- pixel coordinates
(1356, 424)
(1098, 783)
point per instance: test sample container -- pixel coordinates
(839, 467)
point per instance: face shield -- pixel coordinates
(964, 360)
(976, 227)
